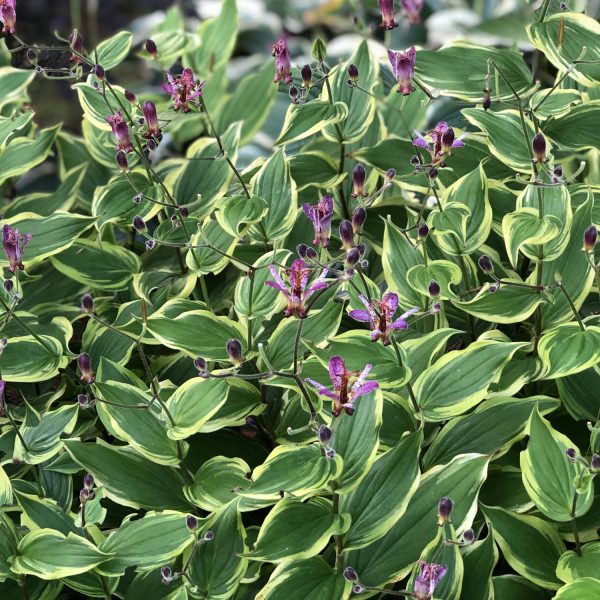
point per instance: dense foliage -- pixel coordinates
(364, 361)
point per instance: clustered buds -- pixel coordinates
(87, 492)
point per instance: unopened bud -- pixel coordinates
(346, 234)
(306, 74)
(139, 223)
(359, 216)
(434, 288)
(31, 56)
(423, 231)
(590, 235)
(200, 364)
(191, 522)
(150, 244)
(448, 139)
(352, 257)
(83, 401)
(84, 362)
(85, 495)
(415, 160)
(444, 510)
(122, 161)
(487, 99)
(557, 171)
(311, 253)
(293, 92)
(538, 145)
(130, 97)
(433, 173)
(350, 574)
(234, 351)
(357, 589)
(595, 463)
(469, 536)
(99, 72)
(166, 575)
(209, 536)
(87, 303)
(137, 199)
(571, 454)
(486, 264)
(358, 179)
(353, 73)
(88, 481)
(390, 174)
(151, 48)
(8, 285)
(325, 434)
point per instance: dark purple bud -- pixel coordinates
(433, 173)
(301, 250)
(31, 56)
(150, 244)
(434, 288)
(358, 179)
(590, 235)
(353, 73)
(563, 6)
(558, 171)
(184, 212)
(346, 234)
(122, 161)
(362, 248)
(209, 536)
(191, 522)
(486, 264)
(469, 536)
(306, 74)
(85, 495)
(390, 174)
(139, 223)
(330, 453)
(493, 288)
(359, 216)
(293, 92)
(311, 253)
(200, 364)
(571, 454)
(595, 463)
(325, 434)
(423, 231)
(151, 118)
(448, 139)
(76, 44)
(538, 145)
(84, 401)
(130, 97)
(99, 72)
(357, 589)
(352, 257)
(415, 160)
(151, 48)
(444, 510)
(137, 199)
(84, 362)
(487, 99)
(8, 285)
(234, 351)
(166, 575)
(87, 303)
(350, 574)
(387, 14)
(88, 481)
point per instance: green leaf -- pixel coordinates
(312, 578)
(492, 428)
(93, 104)
(295, 530)
(142, 428)
(461, 379)
(6, 493)
(446, 273)
(238, 210)
(49, 554)
(43, 512)
(392, 556)
(274, 183)
(586, 588)
(114, 50)
(204, 260)
(579, 33)
(567, 349)
(314, 169)
(505, 136)
(578, 394)
(479, 560)
(530, 545)
(356, 440)
(193, 403)
(382, 497)
(549, 476)
(575, 130)
(106, 267)
(145, 543)
(303, 120)
(13, 82)
(25, 359)
(361, 106)
(180, 332)
(458, 70)
(129, 478)
(550, 103)
(572, 566)
(515, 587)
(22, 154)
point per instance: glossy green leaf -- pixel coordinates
(25, 359)
(586, 588)
(479, 560)
(303, 120)
(446, 273)
(114, 50)
(572, 566)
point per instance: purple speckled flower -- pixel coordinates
(387, 14)
(320, 214)
(183, 89)
(442, 141)
(8, 15)
(348, 386)
(413, 10)
(298, 291)
(283, 63)
(427, 580)
(380, 316)
(14, 244)
(403, 68)
(120, 132)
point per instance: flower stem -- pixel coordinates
(571, 304)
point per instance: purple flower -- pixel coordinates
(8, 15)
(403, 68)
(442, 141)
(283, 63)
(321, 215)
(151, 118)
(297, 293)
(387, 14)
(413, 10)
(380, 316)
(427, 580)
(120, 132)
(183, 89)
(348, 386)
(14, 246)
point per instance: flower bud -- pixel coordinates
(357, 589)
(330, 453)
(415, 160)
(359, 216)
(88, 481)
(301, 250)
(325, 434)
(469, 536)
(306, 74)
(84, 362)
(358, 179)
(234, 351)
(486, 264)
(434, 288)
(433, 173)
(31, 56)
(99, 72)
(493, 288)
(352, 257)
(444, 510)
(293, 92)
(350, 574)
(8, 285)
(390, 174)
(83, 401)
(311, 253)
(595, 463)
(362, 248)
(571, 454)
(137, 199)
(353, 73)
(346, 234)
(85, 495)
(209, 536)
(130, 97)
(166, 574)
(538, 145)
(150, 244)
(448, 139)
(87, 303)
(487, 99)
(590, 235)
(200, 364)
(138, 223)
(151, 48)
(122, 161)
(423, 231)
(191, 522)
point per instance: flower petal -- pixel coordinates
(360, 315)
(337, 369)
